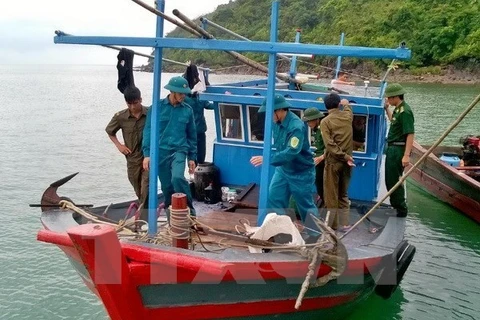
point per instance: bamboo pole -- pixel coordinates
(169, 19)
(234, 54)
(236, 35)
(423, 157)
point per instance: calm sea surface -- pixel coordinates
(52, 124)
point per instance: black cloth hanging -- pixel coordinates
(125, 69)
(191, 75)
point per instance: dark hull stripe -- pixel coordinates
(155, 296)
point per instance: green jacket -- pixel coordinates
(318, 141)
(292, 146)
(402, 123)
(177, 129)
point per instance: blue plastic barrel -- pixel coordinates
(452, 159)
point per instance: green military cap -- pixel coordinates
(279, 102)
(393, 90)
(178, 85)
(312, 114)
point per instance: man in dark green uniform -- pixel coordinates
(177, 142)
(313, 116)
(337, 134)
(132, 121)
(399, 144)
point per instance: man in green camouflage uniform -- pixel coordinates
(132, 121)
(313, 116)
(399, 144)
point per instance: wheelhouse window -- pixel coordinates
(257, 122)
(359, 125)
(231, 119)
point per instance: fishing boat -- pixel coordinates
(452, 174)
(214, 266)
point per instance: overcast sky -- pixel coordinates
(27, 27)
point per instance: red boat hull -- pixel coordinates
(139, 282)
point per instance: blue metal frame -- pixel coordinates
(241, 46)
(155, 129)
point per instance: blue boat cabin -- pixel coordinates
(240, 130)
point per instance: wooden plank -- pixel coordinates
(250, 200)
(226, 221)
(244, 192)
(468, 168)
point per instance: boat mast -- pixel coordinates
(155, 129)
(267, 141)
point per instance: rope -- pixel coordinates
(423, 157)
(329, 250)
(69, 205)
(180, 223)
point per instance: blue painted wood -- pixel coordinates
(241, 46)
(155, 130)
(300, 95)
(297, 103)
(233, 160)
(272, 71)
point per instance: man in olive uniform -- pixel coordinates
(337, 136)
(313, 116)
(399, 144)
(177, 142)
(132, 121)
(292, 159)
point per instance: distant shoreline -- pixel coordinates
(448, 75)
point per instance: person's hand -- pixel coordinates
(123, 149)
(344, 102)
(405, 160)
(385, 104)
(319, 159)
(351, 162)
(146, 163)
(191, 166)
(256, 161)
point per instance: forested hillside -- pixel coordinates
(439, 32)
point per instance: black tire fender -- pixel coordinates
(395, 267)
